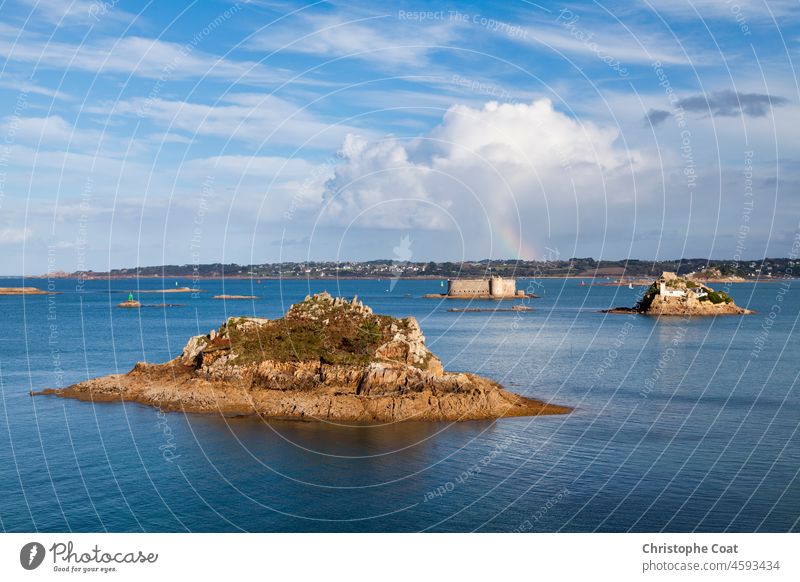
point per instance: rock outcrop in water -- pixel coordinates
(21, 291)
(673, 295)
(326, 359)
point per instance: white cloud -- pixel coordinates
(743, 10)
(526, 134)
(23, 85)
(382, 40)
(12, 236)
(51, 131)
(257, 119)
(65, 12)
(132, 55)
(621, 47)
(492, 165)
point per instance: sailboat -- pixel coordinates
(630, 285)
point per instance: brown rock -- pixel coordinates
(302, 367)
(672, 295)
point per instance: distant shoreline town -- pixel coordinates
(583, 268)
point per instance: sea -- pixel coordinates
(678, 425)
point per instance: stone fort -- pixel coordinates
(494, 287)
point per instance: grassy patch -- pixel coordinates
(339, 337)
(717, 297)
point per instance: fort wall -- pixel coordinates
(494, 287)
(468, 287)
(499, 287)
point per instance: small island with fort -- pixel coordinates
(326, 359)
(496, 288)
(674, 295)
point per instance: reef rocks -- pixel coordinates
(21, 291)
(326, 359)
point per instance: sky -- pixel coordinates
(147, 133)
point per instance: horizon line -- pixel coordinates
(409, 262)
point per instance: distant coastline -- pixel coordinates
(607, 271)
(596, 281)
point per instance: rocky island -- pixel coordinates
(22, 291)
(326, 359)
(674, 295)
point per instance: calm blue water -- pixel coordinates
(678, 425)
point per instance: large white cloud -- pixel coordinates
(502, 166)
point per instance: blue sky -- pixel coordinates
(141, 133)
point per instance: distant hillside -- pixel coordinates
(575, 267)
